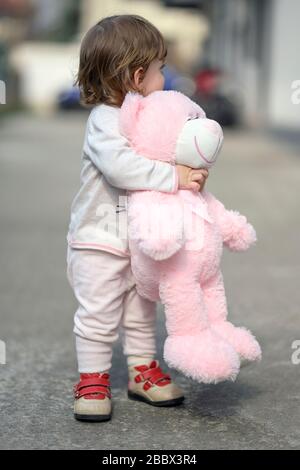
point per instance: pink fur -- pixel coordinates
(153, 123)
(156, 223)
(181, 267)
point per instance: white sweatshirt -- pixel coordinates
(110, 169)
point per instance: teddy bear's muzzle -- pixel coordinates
(199, 143)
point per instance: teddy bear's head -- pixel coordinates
(168, 126)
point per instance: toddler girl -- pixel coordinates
(119, 54)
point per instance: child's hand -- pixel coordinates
(188, 178)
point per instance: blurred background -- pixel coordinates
(238, 59)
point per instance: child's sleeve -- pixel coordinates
(120, 164)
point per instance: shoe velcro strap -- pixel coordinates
(158, 377)
(152, 375)
(89, 390)
(93, 381)
(139, 378)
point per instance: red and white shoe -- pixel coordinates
(93, 397)
(148, 383)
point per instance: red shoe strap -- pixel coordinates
(152, 374)
(93, 386)
(93, 381)
(91, 391)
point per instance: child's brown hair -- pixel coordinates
(111, 52)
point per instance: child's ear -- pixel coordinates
(130, 109)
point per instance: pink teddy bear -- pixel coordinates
(176, 240)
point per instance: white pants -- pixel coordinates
(104, 287)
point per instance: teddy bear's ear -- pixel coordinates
(130, 109)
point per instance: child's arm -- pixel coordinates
(120, 164)
(124, 168)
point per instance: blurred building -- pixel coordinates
(252, 41)
(14, 16)
(38, 47)
(183, 28)
(255, 43)
(48, 67)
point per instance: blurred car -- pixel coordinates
(70, 99)
(216, 105)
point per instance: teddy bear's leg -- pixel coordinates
(192, 347)
(144, 270)
(240, 338)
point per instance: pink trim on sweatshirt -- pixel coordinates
(98, 246)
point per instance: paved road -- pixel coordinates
(39, 174)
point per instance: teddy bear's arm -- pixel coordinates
(237, 233)
(155, 223)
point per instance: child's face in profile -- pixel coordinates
(153, 80)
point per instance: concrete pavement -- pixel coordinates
(39, 174)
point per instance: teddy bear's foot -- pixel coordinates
(205, 357)
(240, 339)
